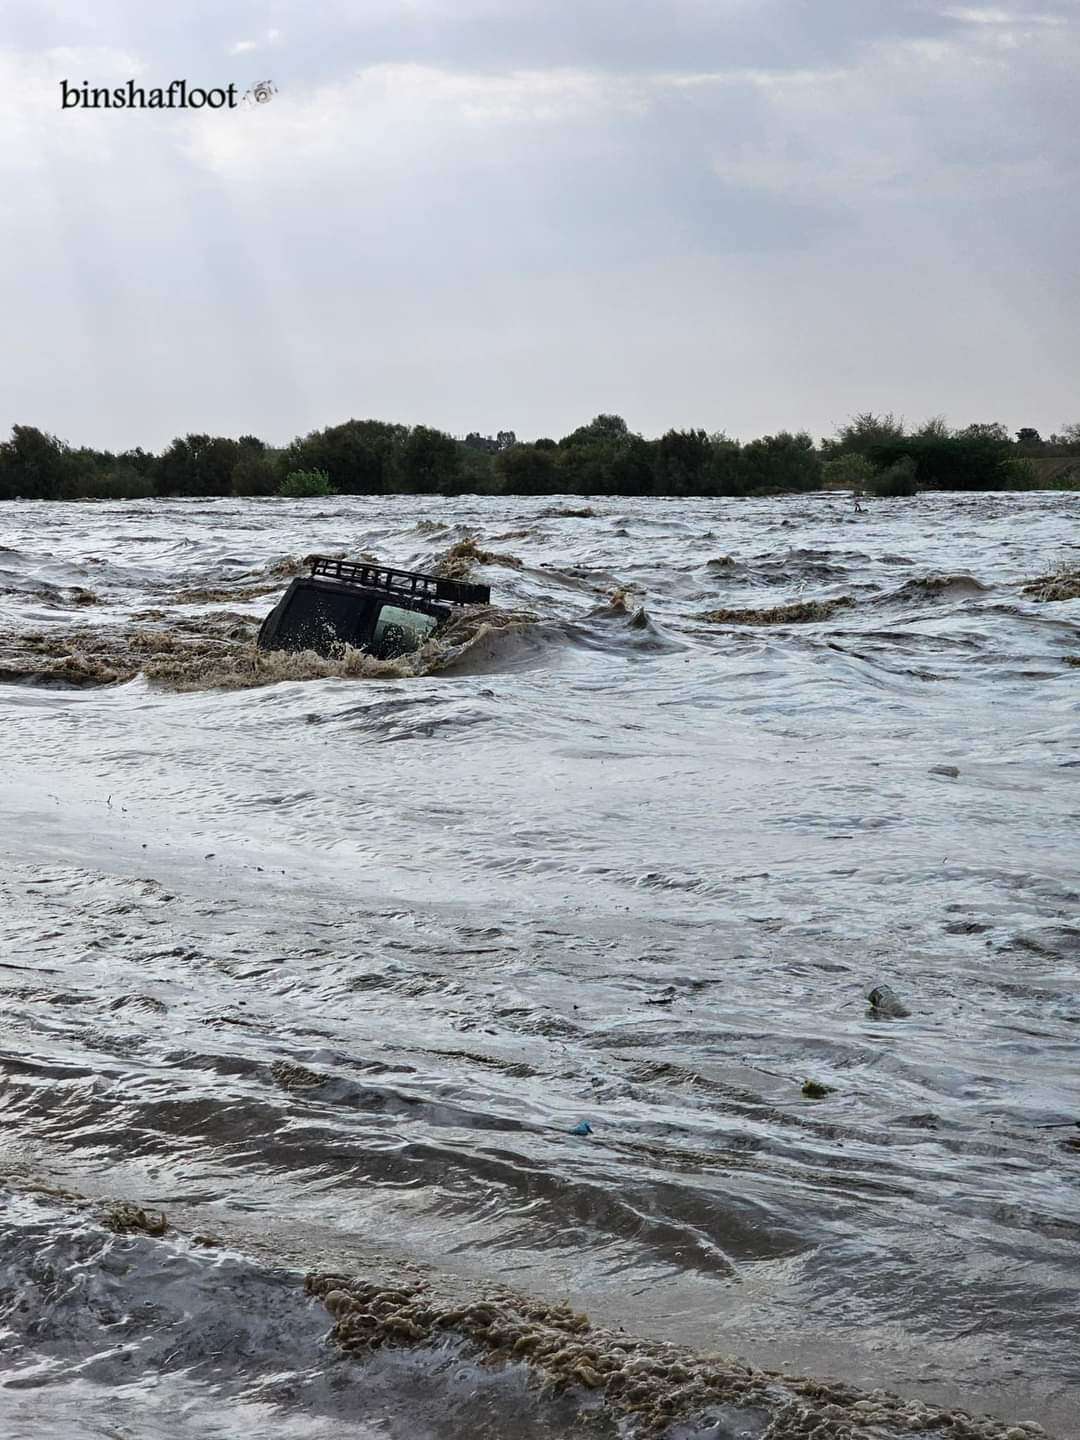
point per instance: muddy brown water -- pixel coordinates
(326, 960)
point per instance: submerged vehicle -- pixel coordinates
(373, 608)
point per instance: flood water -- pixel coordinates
(327, 961)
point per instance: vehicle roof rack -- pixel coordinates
(411, 584)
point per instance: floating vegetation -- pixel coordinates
(124, 1218)
(295, 1077)
(800, 612)
(224, 594)
(815, 1090)
(1063, 584)
(650, 1384)
(110, 655)
(458, 562)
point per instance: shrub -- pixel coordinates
(304, 484)
(850, 471)
(895, 480)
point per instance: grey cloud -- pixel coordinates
(341, 36)
(740, 215)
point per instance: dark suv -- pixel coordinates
(370, 607)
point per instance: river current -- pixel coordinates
(328, 962)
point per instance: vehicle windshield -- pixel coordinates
(399, 631)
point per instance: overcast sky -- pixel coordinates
(487, 214)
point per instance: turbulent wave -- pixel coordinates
(218, 652)
(936, 587)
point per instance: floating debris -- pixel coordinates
(126, 1219)
(666, 997)
(295, 1077)
(458, 562)
(582, 1128)
(815, 1090)
(620, 1378)
(884, 1002)
(801, 612)
(1064, 584)
(951, 772)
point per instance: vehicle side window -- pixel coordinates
(398, 631)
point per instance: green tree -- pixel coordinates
(782, 462)
(528, 469)
(862, 433)
(682, 463)
(360, 456)
(727, 474)
(986, 430)
(429, 462)
(83, 470)
(254, 473)
(197, 465)
(33, 465)
(605, 458)
(477, 470)
(602, 430)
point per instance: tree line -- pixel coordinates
(874, 453)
